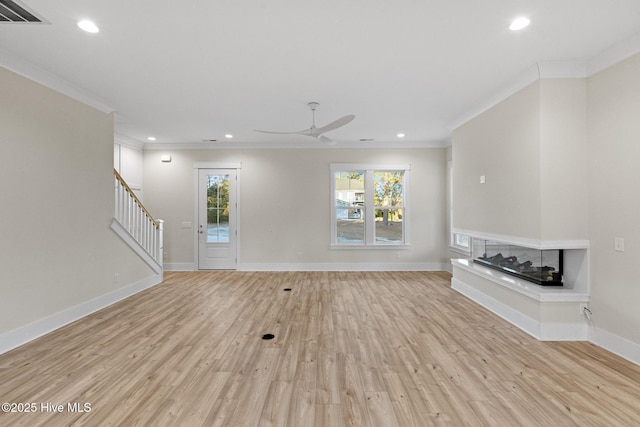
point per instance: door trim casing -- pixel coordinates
(196, 170)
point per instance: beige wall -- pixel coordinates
(285, 203)
(503, 144)
(531, 148)
(56, 187)
(563, 159)
(614, 197)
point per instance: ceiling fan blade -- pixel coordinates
(326, 140)
(302, 132)
(313, 131)
(333, 125)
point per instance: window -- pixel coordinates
(369, 205)
(461, 243)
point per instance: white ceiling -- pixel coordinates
(198, 69)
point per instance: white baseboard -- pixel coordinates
(17, 337)
(550, 331)
(621, 346)
(427, 266)
(543, 331)
(179, 266)
(319, 266)
(527, 324)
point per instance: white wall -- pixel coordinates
(285, 205)
(614, 202)
(127, 160)
(56, 185)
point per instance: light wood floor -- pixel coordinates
(361, 349)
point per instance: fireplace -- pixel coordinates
(540, 266)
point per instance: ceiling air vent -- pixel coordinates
(16, 12)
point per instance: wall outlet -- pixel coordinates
(586, 312)
(582, 307)
(483, 179)
(300, 255)
(116, 278)
(618, 244)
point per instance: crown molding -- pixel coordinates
(518, 83)
(538, 71)
(121, 139)
(614, 54)
(562, 70)
(554, 70)
(33, 72)
(311, 145)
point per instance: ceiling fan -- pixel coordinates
(317, 132)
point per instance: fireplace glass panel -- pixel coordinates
(543, 267)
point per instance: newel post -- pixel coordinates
(160, 248)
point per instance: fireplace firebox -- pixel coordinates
(540, 266)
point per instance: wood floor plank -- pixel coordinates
(349, 348)
(381, 409)
(353, 398)
(329, 415)
(276, 407)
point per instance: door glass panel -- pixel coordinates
(217, 208)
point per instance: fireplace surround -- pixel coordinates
(540, 266)
(548, 306)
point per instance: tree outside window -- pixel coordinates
(217, 208)
(388, 191)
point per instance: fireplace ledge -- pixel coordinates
(528, 289)
(548, 314)
(524, 241)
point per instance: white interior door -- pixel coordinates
(217, 219)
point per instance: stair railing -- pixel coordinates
(137, 221)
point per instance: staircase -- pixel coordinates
(135, 225)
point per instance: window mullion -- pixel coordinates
(370, 217)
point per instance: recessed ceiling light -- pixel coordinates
(400, 135)
(228, 135)
(519, 23)
(151, 138)
(88, 26)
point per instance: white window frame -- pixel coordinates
(458, 247)
(369, 208)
